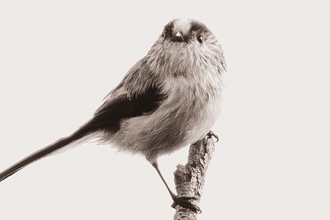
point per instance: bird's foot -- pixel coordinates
(212, 134)
(185, 203)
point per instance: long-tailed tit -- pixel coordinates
(167, 100)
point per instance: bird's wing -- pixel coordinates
(138, 94)
(109, 117)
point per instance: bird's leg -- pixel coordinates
(182, 201)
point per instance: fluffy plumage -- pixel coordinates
(167, 100)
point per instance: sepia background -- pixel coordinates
(59, 59)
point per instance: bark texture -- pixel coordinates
(189, 179)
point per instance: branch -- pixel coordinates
(189, 179)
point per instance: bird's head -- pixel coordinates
(185, 44)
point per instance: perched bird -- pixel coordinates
(167, 100)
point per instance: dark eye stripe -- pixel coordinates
(198, 28)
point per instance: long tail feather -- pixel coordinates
(61, 143)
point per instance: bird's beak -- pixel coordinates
(178, 34)
(178, 37)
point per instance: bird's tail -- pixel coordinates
(58, 145)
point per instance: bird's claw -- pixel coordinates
(212, 134)
(185, 203)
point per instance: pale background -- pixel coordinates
(58, 60)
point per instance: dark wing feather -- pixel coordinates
(110, 115)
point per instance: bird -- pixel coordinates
(169, 99)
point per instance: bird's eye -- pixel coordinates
(200, 38)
